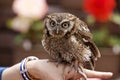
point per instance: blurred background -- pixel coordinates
(21, 24)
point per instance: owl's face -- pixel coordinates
(59, 24)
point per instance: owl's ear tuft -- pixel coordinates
(45, 31)
(45, 20)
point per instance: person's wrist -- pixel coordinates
(32, 69)
(23, 68)
(40, 69)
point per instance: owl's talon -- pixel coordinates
(76, 69)
(81, 71)
(71, 67)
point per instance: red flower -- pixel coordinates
(100, 9)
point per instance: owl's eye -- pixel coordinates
(52, 23)
(65, 25)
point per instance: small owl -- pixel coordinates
(67, 39)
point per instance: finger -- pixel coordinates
(97, 74)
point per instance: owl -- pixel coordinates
(67, 39)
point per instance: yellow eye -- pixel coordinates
(65, 25)
(52, 23)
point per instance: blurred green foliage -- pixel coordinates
(103, 38)
(34, 33)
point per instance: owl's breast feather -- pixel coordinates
(63, 48)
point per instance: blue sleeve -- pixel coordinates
(1, 70)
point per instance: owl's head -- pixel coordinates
(60, 24)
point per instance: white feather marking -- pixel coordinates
(85, 40)
(87, 54)
(73, 39)
(80, 28)
(43, 43)
(86, 29)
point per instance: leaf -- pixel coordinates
(114, 40)
(100, 37)
(19, 39)
(37, 26)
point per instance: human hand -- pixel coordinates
(45, 70)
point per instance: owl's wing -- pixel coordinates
(95, 53)
(86, 37)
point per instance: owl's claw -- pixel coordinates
(78, 69)
(81, 71)
(71, 67)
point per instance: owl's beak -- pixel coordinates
(57, 31)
